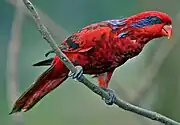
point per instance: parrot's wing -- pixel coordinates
(87, 38)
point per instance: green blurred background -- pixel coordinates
(151, 80)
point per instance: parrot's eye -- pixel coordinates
(168, 23)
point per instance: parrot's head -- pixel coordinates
(151, 24)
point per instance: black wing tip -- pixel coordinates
(41, 63)
(44, 62)
(36, 64)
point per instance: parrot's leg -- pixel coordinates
(104, 78)
(103, 83)
(78, 74)
(112, 96)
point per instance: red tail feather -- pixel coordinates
(42, 86)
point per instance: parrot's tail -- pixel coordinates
(42, 86)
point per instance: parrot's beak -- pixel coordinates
(167, 31)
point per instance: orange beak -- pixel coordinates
(167, 31)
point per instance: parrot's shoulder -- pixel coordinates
(86, 38)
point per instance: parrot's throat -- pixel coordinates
(144, 41)
(141, 37)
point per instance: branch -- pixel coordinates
(122, 104)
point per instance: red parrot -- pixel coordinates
(99, 49)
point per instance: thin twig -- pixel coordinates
(122, 104)
(12, 61)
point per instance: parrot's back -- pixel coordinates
(99, 48)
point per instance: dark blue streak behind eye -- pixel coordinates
(148, 21)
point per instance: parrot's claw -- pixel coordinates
(76, 76)
(112, 96)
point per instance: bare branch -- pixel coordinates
(122, 104)
(12, 61)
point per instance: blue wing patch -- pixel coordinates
(114, 27)
(122, 35)
(116, 22)
(119, 22)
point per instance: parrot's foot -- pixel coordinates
(76, 76)
(112, 96)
